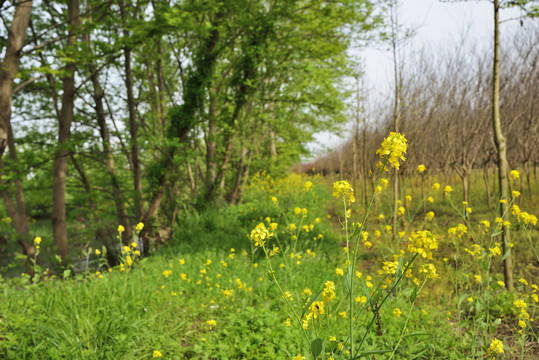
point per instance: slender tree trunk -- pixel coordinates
(10, 66)
(423, 194)
(221, 176)
(530, 192)
(501, 147)
(108, 156)
(133, 126)
(487, 185)
(20, 220)
(245, 174)
(8, 69)
(365, 175)
(211, 140)
(273, 147)
(233, 198)
(466, 187)
(192, 180)
(396, 127)
(59, 223)
(100, 231)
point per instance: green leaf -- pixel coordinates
(417, 333)
(506, 254)
(372, 352)
(349, 279)
(310, 303)
(316, 347)
(398, 273)
(462, 298)
(413, 296)
(367, 294)
(67, 273)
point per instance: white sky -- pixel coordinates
(436, 23)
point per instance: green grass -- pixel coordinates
(129, 314)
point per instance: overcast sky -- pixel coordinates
(436, 23)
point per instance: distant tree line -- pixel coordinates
(446, 111)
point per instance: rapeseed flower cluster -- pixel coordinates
(496, 346)
(458, 230)
(260, 234)
(344, 190)
(423, 242)
(393, 148)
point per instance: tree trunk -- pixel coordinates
(530, 192)
(396, 127)
(133, 126)
(101, 234)
(59, 223)
(233, 198)
(108, 157)
(8, 70)
(423, 195)
(10, 66)
(245, 174)
(487, 185)
(19, 218)
(501, 147)
(211, 140)
(273, 147)
(466, 187)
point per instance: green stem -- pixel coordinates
(407, 319)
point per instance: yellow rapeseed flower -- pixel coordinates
(447, 189)
(423, 242)
(260, 234)
(435, 186)
(211, 323)
(393, 148)
(397, 312)
(361, 299)
(316, 308)
(496, 346)
(343, 189)
(274, 251)
(139, 227)
(514, 174)
(157, 353)
(420, 168)
(288, 295)
(121, 229)
(328, 293)
(429, 270)
(37, 241)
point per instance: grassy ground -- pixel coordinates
(211, 294)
